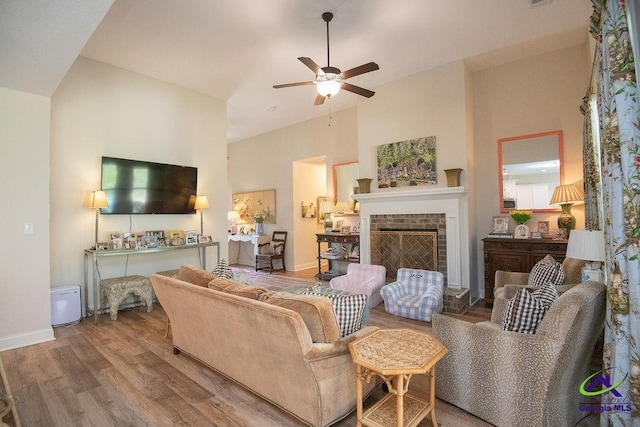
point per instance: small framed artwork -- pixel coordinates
(309, 210)
(338, 226)
(500, 224)
(345, 230)
(204, 239)
(543, 227)
(190, 237)
(176, 237)
(521, 232)
(241, 230)
(318, 204)
(536, 235)
(149, 241)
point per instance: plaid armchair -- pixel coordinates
(415, 294)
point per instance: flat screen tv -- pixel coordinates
(138, 187)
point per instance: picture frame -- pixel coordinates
(318, 204)
(500, 224)
(543, 227)
(246, 204)
(397, 169)
(345, 230)
(309, 210)
(536, 235)
(148, 241)
(176, 237)
(521, 232)
(204, 239)
(338, 225)
(190, 237)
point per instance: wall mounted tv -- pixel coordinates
(138, 187)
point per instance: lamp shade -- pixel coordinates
(586, 245)
(567, 193)
(342, 207)
(201, 202)
(233, 216)
(326, 207)
(328, 87)
(98, 200)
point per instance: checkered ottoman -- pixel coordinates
(117, 289)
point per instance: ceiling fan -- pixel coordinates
(329, 80)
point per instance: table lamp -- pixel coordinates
(588, 245)
(566, 196)
(233, 216)
(201, 204)
(327, 208)
(342, 207)
(98, 200)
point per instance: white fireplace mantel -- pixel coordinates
(450, 201)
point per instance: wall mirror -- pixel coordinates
(530, 168)
(344, 182)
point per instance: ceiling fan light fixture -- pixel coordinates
(328, 88)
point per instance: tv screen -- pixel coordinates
(137, 187)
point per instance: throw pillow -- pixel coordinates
(547, 270)
(316, 312)
(223, 270)
(547, 294)
(195, 275)
(526, 310)
(348, 309)
(229, 286)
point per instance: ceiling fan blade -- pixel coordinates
(292, 84)
(309, 63)
(319, 100)
(366, 68)
(357, 89)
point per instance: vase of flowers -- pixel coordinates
(259, 217)
(520, 217)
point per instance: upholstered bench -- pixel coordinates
(117, 289)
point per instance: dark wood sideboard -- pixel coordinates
(516, 255)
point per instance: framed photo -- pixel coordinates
(338, 226)
(521, 232)
(309, 210)
(320, 200)
(204, 239)
(148, 242)
(500, 224)
(190, 238)
(543, 227)
(176, 237)
(536, 235)
(345, 230)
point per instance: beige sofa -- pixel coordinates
(516, 379)
(264, 347)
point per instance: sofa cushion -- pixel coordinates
(232, 287)
(316, 312)
(348, 310)
(526, 310)
(195, 275)
(547, 270)
(223, 270)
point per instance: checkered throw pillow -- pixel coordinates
(223, 270)
(526, 310)
(547, 270)
(348, 309)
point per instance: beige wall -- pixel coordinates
(538, 94)
(25, 310)
(267, 161)
(99, 110)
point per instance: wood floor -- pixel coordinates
(123, 373)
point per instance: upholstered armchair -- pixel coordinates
(516, 379)
(415, 294)
(572, 269)
(362, 279)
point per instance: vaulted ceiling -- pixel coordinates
(237, 50)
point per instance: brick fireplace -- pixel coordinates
(430, 224)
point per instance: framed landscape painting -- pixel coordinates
(407, 163)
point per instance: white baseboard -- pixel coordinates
(25, 339)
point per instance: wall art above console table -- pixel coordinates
(91, 258)
(518, 255)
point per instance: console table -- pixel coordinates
(254, 239)
(91, 257)
(352, 240)
(518, 255)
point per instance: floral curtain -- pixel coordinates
(619, 125)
